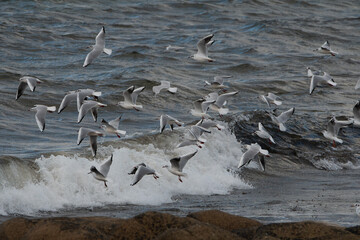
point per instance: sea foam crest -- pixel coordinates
(63, 182)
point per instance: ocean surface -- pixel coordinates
(265, 46)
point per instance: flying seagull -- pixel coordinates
(325, 49)
(26, 81)
(164, 85)
(282, 118)
(166, 119)
(103, 172)
(178, 164)
(112, 127)
(202, 46)
(41, 113)
(130, 96)
(89, 105)
(93, 134)
(262, 133)
(140, 171)
(251, 152)
(98, 48)
(333, 127)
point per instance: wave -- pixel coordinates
(61, 181)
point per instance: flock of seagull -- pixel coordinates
(87, 100)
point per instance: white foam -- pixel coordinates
(63, 180)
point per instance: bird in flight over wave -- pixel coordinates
(97, 49)
(130, 97)
(164, 85)
(333, 127)
(101, 174)
(325, 49)
(202, 46)
(178, 164)
(26, 81)
(41, 113)
(140, 171)
(93, 134)
(112, 127)
(252, 151)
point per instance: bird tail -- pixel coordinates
(276, 102)
(121, 132)
(107, 51)
(51, 109)
(172, 89)
(97, 94)
(282, 127)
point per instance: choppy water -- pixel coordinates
(264, 45)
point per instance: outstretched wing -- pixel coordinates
(203, 44)
(224, 97)
(141, 172)
(184, 159)
(136, 93)
(105, 167)
(284, 116)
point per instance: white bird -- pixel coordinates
(68, 98)
(217, 83)
(316, 79)
(164, 85)
(166, 119)
(356, 112)
(221, 100)
(112, 127)
(89, 105)
(98, 48)
(202, 46)
(200, 108)
(325, 49)
(271, 98)
(26, 81)
(189, 142)
(282, 118)
(140, 171)
(41, 113)
(103, 172)
(332, 129)
(178, 164)
(175, 48)
(93, 134)
(130, 96)
(357, 210)
(208, 123)
(262, 133)
(83, 94)
(251, 152)
(357, 86)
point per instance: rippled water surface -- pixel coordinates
(264, 45)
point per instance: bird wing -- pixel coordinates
(66, 101)
(85, 107)
(263, 97)
(93, 144)
(205, 105)
(94, 113)
(212, 96)
(224, 97)
(313, 83)
(202, 44)
(175, 163)
(251, 152)
(105, 167)
(21, 89)
(326, 46)
(357, 86)
(163, 122)
(83, 132)
(32, 83)
(136, 93)
(127, 94)
(100, 38)
(115, 122)
(40, 117)
(197, 105)
(356, 111)
(220, 79)
(134, 169)
(184, 159)
(284, 116)
(95, 52)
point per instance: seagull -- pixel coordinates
(220, 102)
(178, 163)
(356, 112)
(189, 142)
(89, 105)
(282, 118)
(83, 94)
(166, 119)
(271, 98)
(130, 96)
(316, 79)
(175, 48)
(93, 134)
(25, 81)
(202, 46)
(332, 129)
(218, 82)
(207, 123)
(264, 134)
(69, 97)
(41, 113)
(325, 49)
(251, 152)
(140, 171)
(164, 85)
(200, 108)
(104, 170)
(357, 210)
(98, 48)
(112, 127)
(357, 86)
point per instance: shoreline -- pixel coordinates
(210, 224)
